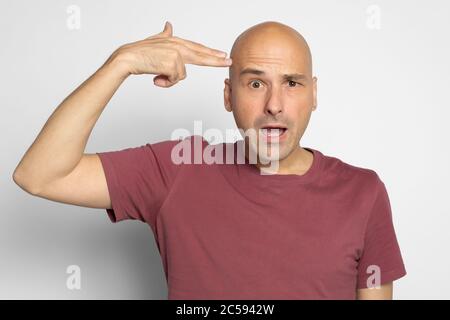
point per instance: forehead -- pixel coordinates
(276, 69)
(251, 71)
(272, 58)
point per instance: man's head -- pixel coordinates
(271, 82)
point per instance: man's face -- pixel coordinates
(271, 84)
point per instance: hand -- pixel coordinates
(165, 56)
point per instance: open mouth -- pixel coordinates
(273, 132)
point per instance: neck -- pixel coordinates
(297, 162)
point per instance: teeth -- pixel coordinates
(275, 132)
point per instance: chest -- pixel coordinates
(265, 240)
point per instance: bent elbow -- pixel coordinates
(20, 178)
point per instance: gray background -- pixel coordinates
(382, 104)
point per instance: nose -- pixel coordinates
(273, 105)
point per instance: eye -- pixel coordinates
(257, 82)
(293, 83)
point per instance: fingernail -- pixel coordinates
(228, 61)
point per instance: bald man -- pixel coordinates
(311, 227)
(273, 56)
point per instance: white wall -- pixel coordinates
(383, 104)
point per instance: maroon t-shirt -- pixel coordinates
(225, 231)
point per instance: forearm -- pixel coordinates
(60, 145)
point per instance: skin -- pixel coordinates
(55, 166)
(259, 99)
(384, 292)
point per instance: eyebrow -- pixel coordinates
(290, 76)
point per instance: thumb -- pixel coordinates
(167, 32)
(167, 29)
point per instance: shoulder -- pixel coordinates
(189, 142)
(341, 171)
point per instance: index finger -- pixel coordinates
(203, 59)
(200, 47)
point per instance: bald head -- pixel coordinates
(271, 42)
(271, 82)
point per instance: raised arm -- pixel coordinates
(55, 165)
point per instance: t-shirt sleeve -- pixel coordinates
(139, 180)
(381, 254)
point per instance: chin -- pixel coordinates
(274, 152)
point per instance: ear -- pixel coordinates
(227, 95)
(314, 93)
